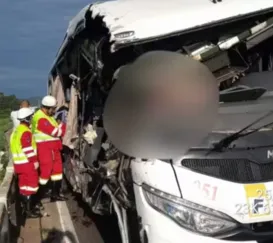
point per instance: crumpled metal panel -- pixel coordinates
(69, 170)
(72, 120)
(130, 20)
(57, 91)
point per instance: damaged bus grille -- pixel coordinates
(235, 170)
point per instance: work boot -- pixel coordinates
(46, 190)
(28, 208)
(56, 194)
(40, 195)
(39, 206)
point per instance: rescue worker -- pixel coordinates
(24, 156)
(47, 134)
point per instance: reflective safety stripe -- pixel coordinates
(59, 132)
(60, 129)
(19, 159)
(43, 181)
(18, 153)
(40, 141)
(29, 188)
(56, 177)
(39, 136)
(54, 131)
(20, 162)
(27, 149)
(43, 138)
(30, 154)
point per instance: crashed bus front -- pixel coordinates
(234, 40)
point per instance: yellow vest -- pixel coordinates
(18, 156)
(38, 135)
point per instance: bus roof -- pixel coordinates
(145, 19)
(130, 21)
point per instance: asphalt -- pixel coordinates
(89, 227)
(54, 227)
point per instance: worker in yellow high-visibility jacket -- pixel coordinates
(24, 156)
(48, 134)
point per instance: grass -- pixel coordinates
(4, 162)
(5, 125)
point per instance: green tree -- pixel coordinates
(8, 103)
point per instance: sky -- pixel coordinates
(31, 34)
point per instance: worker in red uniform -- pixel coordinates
(24, 156)
(47, 134)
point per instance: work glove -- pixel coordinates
(90, 135)
(36, 165)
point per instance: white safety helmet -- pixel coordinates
(24, 113)
(49, 101)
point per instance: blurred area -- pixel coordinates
(155, 106)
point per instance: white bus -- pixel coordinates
(224, 195)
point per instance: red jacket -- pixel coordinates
(26, 143)
(58, 132)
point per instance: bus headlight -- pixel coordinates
(189, 215)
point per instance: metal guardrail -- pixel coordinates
(10, 210)
(5, 231)
(7, 200)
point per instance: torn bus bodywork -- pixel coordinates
(230, 50)
(96, 45)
